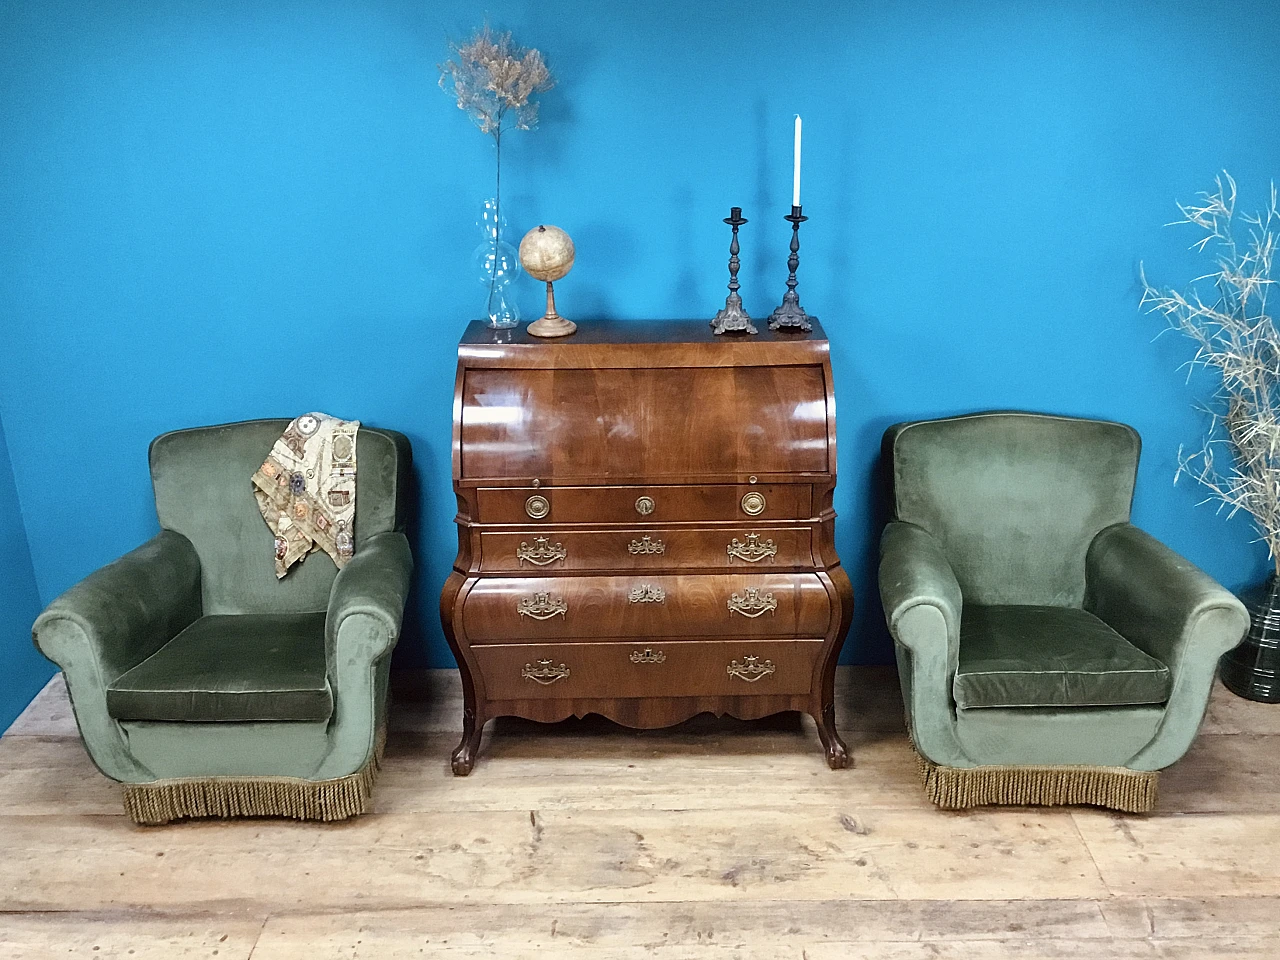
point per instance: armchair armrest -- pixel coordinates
(1173, 611)
(914, 572)
(112, 621)
(1159, 601)
(922, 607)
(374, 585)
(127, 610)
(362, 625)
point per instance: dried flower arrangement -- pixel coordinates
(1225, 313)
(494, 81)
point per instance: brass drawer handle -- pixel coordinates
(646, 545)
(545, 672)
(542, 606)
(648, 656)
(646, 593)
(753, 604)
(750, 669)
(541, 553)
(753, 504)
(754, 550)
(537, 506)
(644, 506)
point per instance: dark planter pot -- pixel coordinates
(1252, 670)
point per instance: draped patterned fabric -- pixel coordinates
(306, 490)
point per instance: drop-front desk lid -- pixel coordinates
(658, 401)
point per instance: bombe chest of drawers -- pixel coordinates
(645, 527)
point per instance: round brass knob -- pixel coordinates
(537, 507)
(753, 504)
(644, 506)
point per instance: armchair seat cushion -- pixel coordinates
(1040, 656)
(231, 668)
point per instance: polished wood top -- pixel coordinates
(639, 343)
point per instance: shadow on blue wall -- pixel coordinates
(22, 670)
(226, 210)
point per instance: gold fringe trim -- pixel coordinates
(1117, 788)
(226, 797)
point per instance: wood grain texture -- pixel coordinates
(691, 503)
(641, 670)
(760, 548)
(123, 936)
(600, 607)
(594, 856)
(997, 929)
(612, 344)
(635, 434)
(651, 423)
(584, 839)
(1185, 856)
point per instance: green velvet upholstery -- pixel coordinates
(1033, 624)
(187, 658)
(209, 467)
(1034, 656)
(231, 668)
(1014, 499)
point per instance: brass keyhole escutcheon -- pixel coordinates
(753, 504)
(537, 507)
(644, 506)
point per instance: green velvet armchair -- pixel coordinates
(207, 686)
(1049, 651)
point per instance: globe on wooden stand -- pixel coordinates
(546, 252)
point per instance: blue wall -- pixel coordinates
(22, 670)
(240, 208)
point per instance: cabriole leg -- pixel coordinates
(464, 757)
(837, 753)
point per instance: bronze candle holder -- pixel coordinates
(733, 318)
(789, 315)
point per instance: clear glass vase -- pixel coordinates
(497, 264)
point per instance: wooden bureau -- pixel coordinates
(645, 528)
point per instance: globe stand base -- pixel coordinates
(552, 324)
(552, 327)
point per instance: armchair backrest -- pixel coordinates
(201, 479)
(1014, 498)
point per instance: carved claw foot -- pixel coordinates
(464, 757)
(837, 753)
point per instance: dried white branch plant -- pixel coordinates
(494, 81)
(1225, 313)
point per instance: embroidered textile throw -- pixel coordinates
(306, 490)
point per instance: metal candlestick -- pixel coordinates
(733, 319)
(789, 314)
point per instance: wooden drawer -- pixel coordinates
(503, 609)
(710, 502)
(657, 549)
(666, 669)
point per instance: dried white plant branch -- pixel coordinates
(1225, 313)
(494, 81)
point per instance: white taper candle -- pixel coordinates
(795, 175)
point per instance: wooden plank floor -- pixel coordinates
(717, 839)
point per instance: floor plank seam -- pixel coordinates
(1075, 823)
(258, 937)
